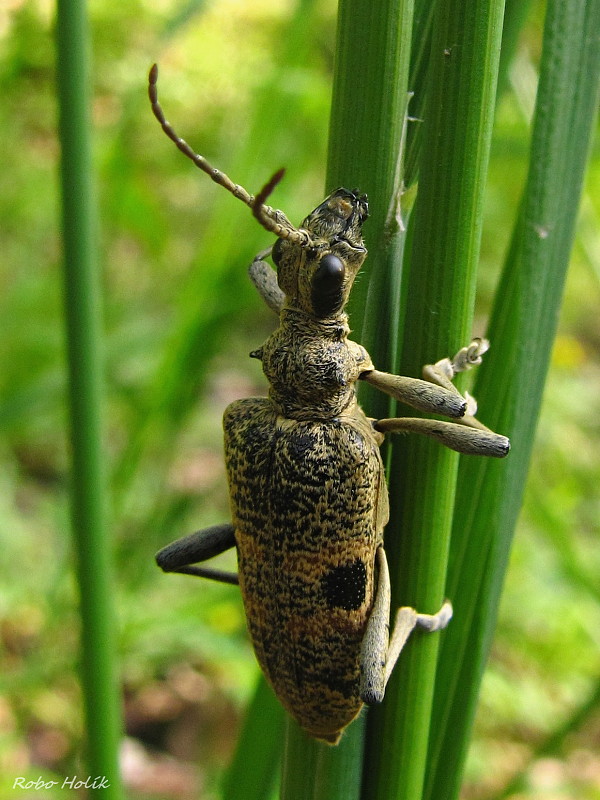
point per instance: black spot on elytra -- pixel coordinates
(345, 586)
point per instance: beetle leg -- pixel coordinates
(200, 546)
(379, 651)
(375, 642)
(407, 619)
(436, 394)
(418, 393)
(470, 437)
(264, 278)
(444, 370)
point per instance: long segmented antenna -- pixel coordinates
(258, 205)
(271, 219)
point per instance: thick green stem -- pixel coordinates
(83, 316)
(253, 769)
(439, 295)
(367, 129)
(511, 382)
(367, 123)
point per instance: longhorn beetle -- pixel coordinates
(307, 488)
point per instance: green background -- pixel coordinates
(248, 85)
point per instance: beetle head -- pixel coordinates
(316, 263)
(317, 276)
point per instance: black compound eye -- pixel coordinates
(276, 252)
(330, 274)
(327, 286)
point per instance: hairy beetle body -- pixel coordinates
(306, 552)
(309, 500)
(307, 488)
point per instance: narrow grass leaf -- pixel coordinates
(510, 384)
(98, 671)
(253, 771)
(440, 291)
(365, 136)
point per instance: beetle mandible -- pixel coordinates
(307, 488)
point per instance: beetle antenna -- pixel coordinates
(217, 176)
(276, 221)
(259, 200)
(271, 219)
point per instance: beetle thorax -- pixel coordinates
(310, 366)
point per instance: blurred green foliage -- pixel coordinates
(248, 84)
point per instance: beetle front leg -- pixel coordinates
(264, 278)
(418, 393)
(443, 371)
(379, 651)
(436, 394)
(200, 546)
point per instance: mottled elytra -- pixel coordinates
(309, 502)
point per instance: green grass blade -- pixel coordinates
(366, 129)
(315, 771)
(515, 14)
(300, 757)
(438, 318)
(510, 384)
(419, 68)
(369, 105)
(83, 315)
(253, 770)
